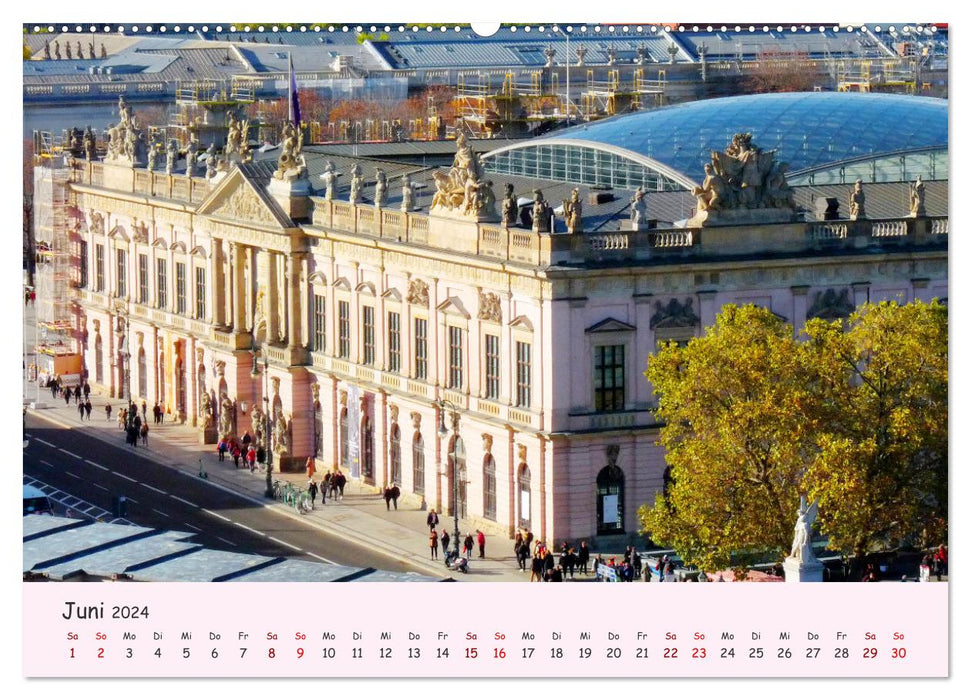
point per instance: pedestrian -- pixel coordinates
(924, 570)
(522, 555)
(108, 411)
(325, 488)
(312, 490)
(26, 297)
(311, 467)
(940, 562)
(33, 296)
(432, 519)
(445, 539)
(395, 493)
(67, 397)
(251, 458)
(480, 537)
(87, 391)
(433, 543)
(77, 394)
(636, 562)
(536, 569)
(144, 409)
(387, 497)
(161, 415)
(583, 556)
(246, 441)
(548, 562)
(237, 453)
(341, 480)
(144, 433)
(467, 546)
(81, 410)
(87, 409)
(221, 448)
(156, 411)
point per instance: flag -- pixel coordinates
(294, 113)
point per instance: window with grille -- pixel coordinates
(489, 487)
(142, 279)
(320, 319)
(343, 329)
(524, 374)
(608, 378)
(421, 348)
(161, 284)
(455, 344)
(394, 341)
(99, 268)
(122, 270)
(367, 327)
(200, 292)
(180, 288)
(492, 366)
(418, 463)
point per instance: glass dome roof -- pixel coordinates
(809, 130)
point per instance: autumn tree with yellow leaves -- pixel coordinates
(853, 414)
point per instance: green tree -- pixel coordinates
(738, 414)
(880, 474)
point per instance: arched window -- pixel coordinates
(489, 487)
(367, 449)
(418, 463)
(610, 501)
(523, 496)
(394, 454)
(142, 374)
(344, 448)
(98, 360)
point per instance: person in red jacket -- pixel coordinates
(480, 538)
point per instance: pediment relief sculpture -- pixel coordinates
(674, 314)
(830, 305)
(490, 308)
(418, 293)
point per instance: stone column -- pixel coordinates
(271, 299)
(708, 310)
(294, 307)
(218, 296)
(799, 307)
(239, 290)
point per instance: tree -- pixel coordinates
(737, 413)
(881, 470)
(855, 417)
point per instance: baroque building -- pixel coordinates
(467, 348)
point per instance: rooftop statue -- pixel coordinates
(917, 198)
(291, 165)
(380, 188)
(461, 191)
(330, 177)
(573, 212)
(407, 194)
(857, 201)
(743, 185)
(357, 182)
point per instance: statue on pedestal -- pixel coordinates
(171, 156)
(357, 182)
(380, 188)
(462, 192)
(191, 153)
(803, 532)
(291, 164)
(510, 207)
(917, 198)
(226, 414)
(152, 156)
(89, 144)
(407, 194)
(211, 161)
(638, 211)
(281, 436)
(205, 412)
(573, 212)
(329, 177)
(857, 201)
(542, 213)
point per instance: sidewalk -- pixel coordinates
(361, 517)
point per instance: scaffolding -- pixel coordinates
(58, 262)
(878, 75)
(605, 98)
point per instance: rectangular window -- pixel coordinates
(99, 267)
(142, 279)
(492, 367)
(394, 341)
(608, 378)
(455, 345)
(367, 331)
(421, 348)
(200, 292)
(180, 288)
(161, 284)
(524, 374)
(343, 329)
(83, 266)
(121, 265)
(320, 320)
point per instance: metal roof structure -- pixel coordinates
(61, 549)
(809, 131)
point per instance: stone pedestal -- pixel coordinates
(797, 571)
(736, 217)
(292, 193)
(208, 436)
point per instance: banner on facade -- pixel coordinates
(354, 430)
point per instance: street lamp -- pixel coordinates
(443, 433)
(255, 373)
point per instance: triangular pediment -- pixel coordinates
(522, 323)
(609, 325)
(392, 295)
(237, 199)
(453, 305)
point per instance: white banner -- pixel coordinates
(354, 430)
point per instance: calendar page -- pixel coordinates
(428, 313)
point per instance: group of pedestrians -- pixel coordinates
(933, 565)
(56, 385)
(391, 495)
(331, 486)
(135, 426)
(242, 449)
(468, 544)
